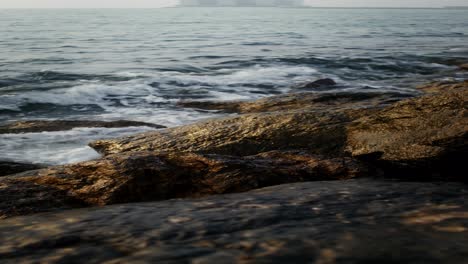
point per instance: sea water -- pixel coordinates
(136, 64)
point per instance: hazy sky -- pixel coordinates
(162, 3)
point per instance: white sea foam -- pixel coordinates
(226, 84)
(61, 147)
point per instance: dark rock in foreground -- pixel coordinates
(321, 222)
(10, 167)
(144, 176)
(35, 126)
(427, 134)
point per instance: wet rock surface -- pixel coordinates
(35, 126)
(428, 134)
(440, 87)
(316, 122)
(145, 176)
(353, 221)
(322, 83)
(421, 137)
(11, 167)
(302, 101)
(324, 133)
(279, 140)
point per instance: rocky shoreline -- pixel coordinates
(284, 139)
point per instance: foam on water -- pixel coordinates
(61, 147)
(223, 84)
(137, 64)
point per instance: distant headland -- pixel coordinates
(243, 3)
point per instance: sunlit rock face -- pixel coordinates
(418, 136)
(146, 176)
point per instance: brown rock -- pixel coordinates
(297, 121)
(34, 126)
(447, 86)
(10, 167)
(464, 66)
(20, 197)
(427, 133)
(301, 101)
(323, 133)
(144, 176)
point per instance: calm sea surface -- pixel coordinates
(137, 64)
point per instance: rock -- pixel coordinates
(22, 197)
(224, 106)
(464, 66)
(250, 134)
(354, 221)
(11, 167)
(318, 84)
(297, 121)
(34, 126)
(446, 86)
(301, 101)
(423, 136)
(144, 176)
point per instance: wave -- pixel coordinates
(57, 148)
(150, 96)
(55, 76)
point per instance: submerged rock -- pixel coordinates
(35, 126)
(327, 82)
(427, 135)
(144, 176)
(11, 167)
(354, 221)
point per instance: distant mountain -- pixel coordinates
(253, 3)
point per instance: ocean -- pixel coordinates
(136, 64)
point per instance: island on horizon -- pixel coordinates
(242, 3)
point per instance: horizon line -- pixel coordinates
(294, 7)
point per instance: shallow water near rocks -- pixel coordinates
(137, 64)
